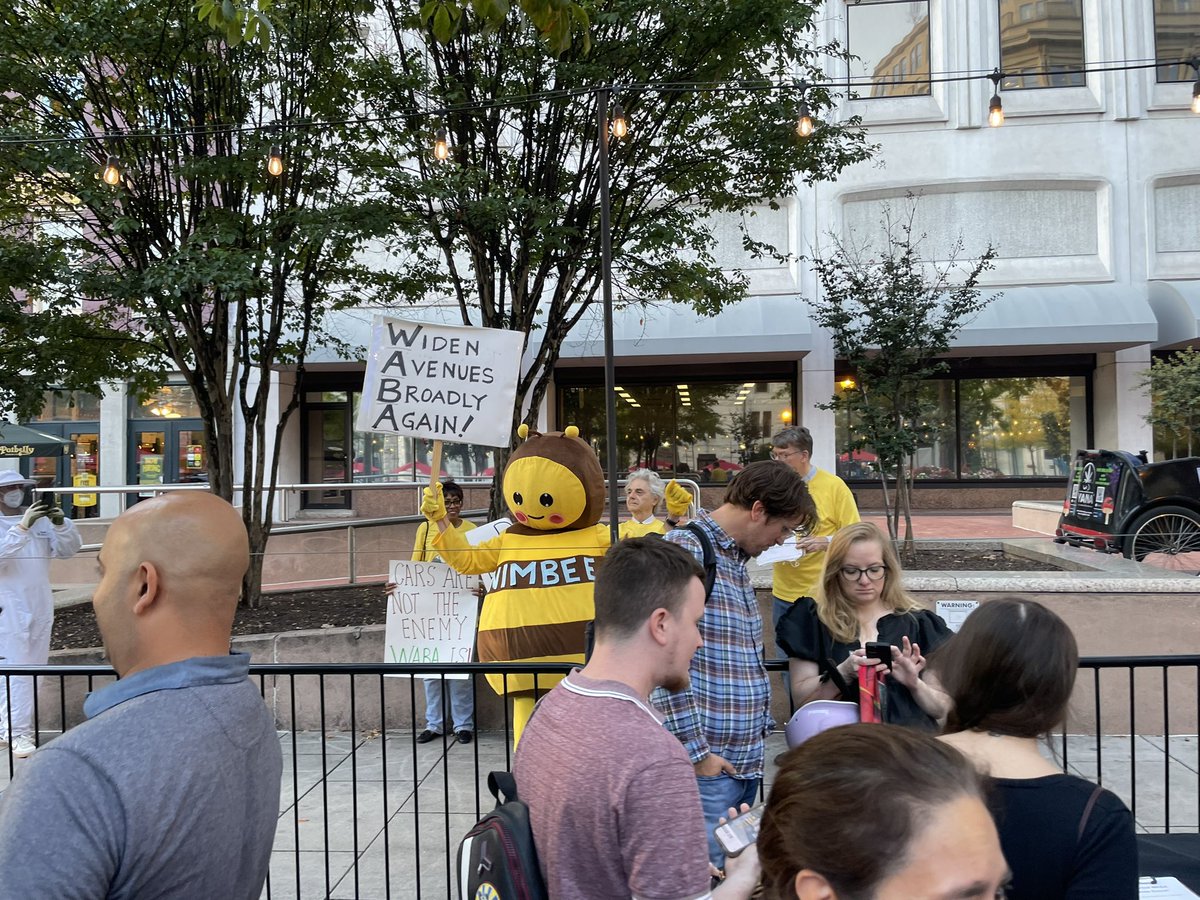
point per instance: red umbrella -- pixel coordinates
(726, 465)
(860, 455)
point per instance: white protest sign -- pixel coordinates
(431, 615)
(955, 612)
(440, 382)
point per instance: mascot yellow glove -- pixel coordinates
(433, 506)
(678, 499)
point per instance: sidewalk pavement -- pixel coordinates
(444, 789)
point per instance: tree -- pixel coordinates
(557, 22)
(1174, 384)
(891, 316)
(513, 215)
(48, 340)
(227, 271)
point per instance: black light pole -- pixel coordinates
(603, 95)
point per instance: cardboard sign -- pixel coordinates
(440, 382)
(432, 614)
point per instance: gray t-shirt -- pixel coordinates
(171, 792)
(612, 797)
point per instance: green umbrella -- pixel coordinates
(19, 441)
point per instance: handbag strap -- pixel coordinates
(1087, 812)
(830, 667)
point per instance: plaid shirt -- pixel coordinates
(727, 709)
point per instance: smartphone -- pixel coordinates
(51, 500)
(880, 651)
(736, 836)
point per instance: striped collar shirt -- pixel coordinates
(727, 708)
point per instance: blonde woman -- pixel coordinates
(860, 599)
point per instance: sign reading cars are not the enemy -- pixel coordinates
(440, 382)
(431, 615)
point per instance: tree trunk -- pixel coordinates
(887, 513)
(904, 503)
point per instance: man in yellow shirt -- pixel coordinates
(835, 510)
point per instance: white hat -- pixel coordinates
(9, 476)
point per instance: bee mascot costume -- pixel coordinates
(543, 566)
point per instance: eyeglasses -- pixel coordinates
(453, 501)
(784, 455)
(873, 573)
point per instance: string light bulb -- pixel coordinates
(441, 145)
(620, 125)
(112, 171)
(275, 161)
(804, 120)
(996, 106)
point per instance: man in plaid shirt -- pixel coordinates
(724, 717)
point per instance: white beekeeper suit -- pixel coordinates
(29, 539)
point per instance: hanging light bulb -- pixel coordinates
(112, 172)
(804, 120)
(620, 125)
(275, 161)
(996, 106)
(441, 145)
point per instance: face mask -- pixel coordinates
(13, 498)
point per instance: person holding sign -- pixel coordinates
(462, 701)
(541, 596)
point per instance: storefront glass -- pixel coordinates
(698, 430)
(981, 428)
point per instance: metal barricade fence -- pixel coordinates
(366, 811)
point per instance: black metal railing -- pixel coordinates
(367, 811)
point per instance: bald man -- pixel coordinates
(171, 786)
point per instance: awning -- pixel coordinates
(1062, 318)
(18, 441)
(775, 325)
(1177, 306)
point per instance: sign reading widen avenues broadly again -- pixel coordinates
(440, 382)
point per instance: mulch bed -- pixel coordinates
(75, 627)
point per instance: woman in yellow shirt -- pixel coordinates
(462, 701)
(643, 493)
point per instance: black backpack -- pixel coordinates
(497, 859)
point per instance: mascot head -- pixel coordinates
(553, 482)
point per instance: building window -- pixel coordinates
(173, 401)
(702, 431)
(982, 428)
(69, 406)
(889, 40)
(1176, 38)
(1041, 44)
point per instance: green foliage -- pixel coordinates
(891, 316)
(209, 263)
(1174, 385)
(513, 217)
(238, 22)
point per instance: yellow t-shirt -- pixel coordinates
(835, 510)
(632, 528)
